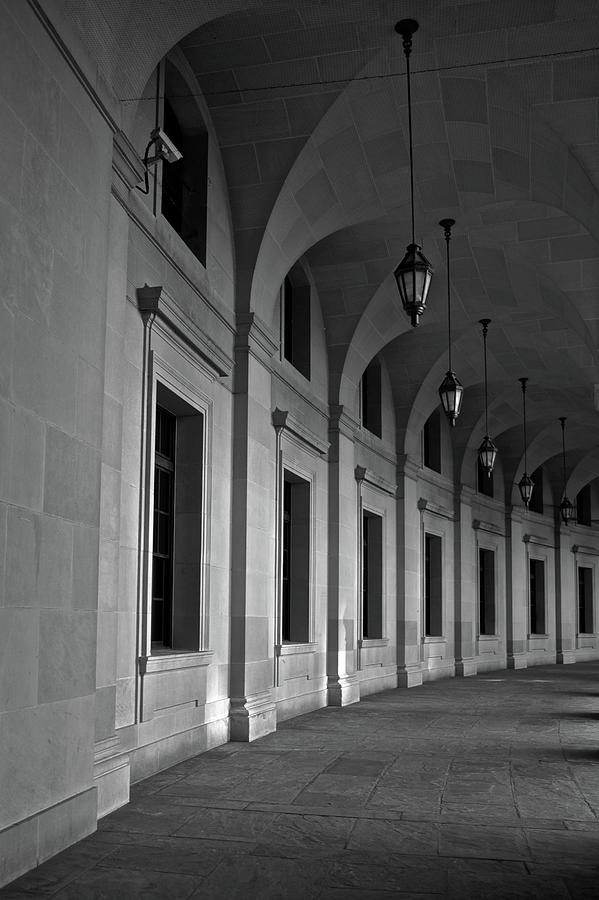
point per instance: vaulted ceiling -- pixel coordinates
(308, 101)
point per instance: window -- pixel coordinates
(164, 514)
(372, 575)
(184, 196)
(371, 397)
(585, 600)
(536, 501)
(537, 596)
(484, 481)
(486, 591)
(177, 524)
(583, 506)
(296, 321)
(433, 592)
(296, 559)
(431, 442)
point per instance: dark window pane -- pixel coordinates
(485, 482)
(371, 397)
(164, 492)
(583, 506)
(536, 501)
(431, 442)
(163, 519)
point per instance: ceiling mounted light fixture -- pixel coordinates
(526, 484)
(487, 452)
(566, 508)
(413, 274)
(451, 390)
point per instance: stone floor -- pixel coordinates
(486, 787)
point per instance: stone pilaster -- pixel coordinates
(342, 650)
(253, 710)
(516, 590)
(409, 576)
(465, 585)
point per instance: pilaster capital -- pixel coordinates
(514, 513)
(254, 336)
(588, 551)
(374, 480)
(436, 509)
(155, 304)
(465, 494)
(284, 421)
(490, 527)
(279, 419)
(342, 421)
(406, 467)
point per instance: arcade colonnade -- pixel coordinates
(227, 493)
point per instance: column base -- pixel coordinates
(253, 717)
(565, 657)
(409, 676)
(112, 775)
(517, 661)
(343, 690)
(466, 667)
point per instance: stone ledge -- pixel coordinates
(28, 843)
(171, 662)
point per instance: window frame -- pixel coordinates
(537, 560)
(428, 533)
(186, 398)
(492, 550)
(590, 611)
(298, 476)
(369, 512)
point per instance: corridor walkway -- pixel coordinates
(485, 787)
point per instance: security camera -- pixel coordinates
(165, 149)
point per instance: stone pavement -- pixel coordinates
(485, 787)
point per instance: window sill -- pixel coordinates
(365, 643)
(488, 637)
(293, 649)
(538, 637)
(171, 660)
(433, 639)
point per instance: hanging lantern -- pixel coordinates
(450, 393)
(566, 508)
(413, 274)
(526, 484)
(413, 277)
(451, 390)
(487, 452)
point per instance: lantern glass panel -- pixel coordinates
(450, 394)
(566, 510)
(413, 277)
(526, 486)
(487, 453)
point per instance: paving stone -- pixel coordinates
(403, 794)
